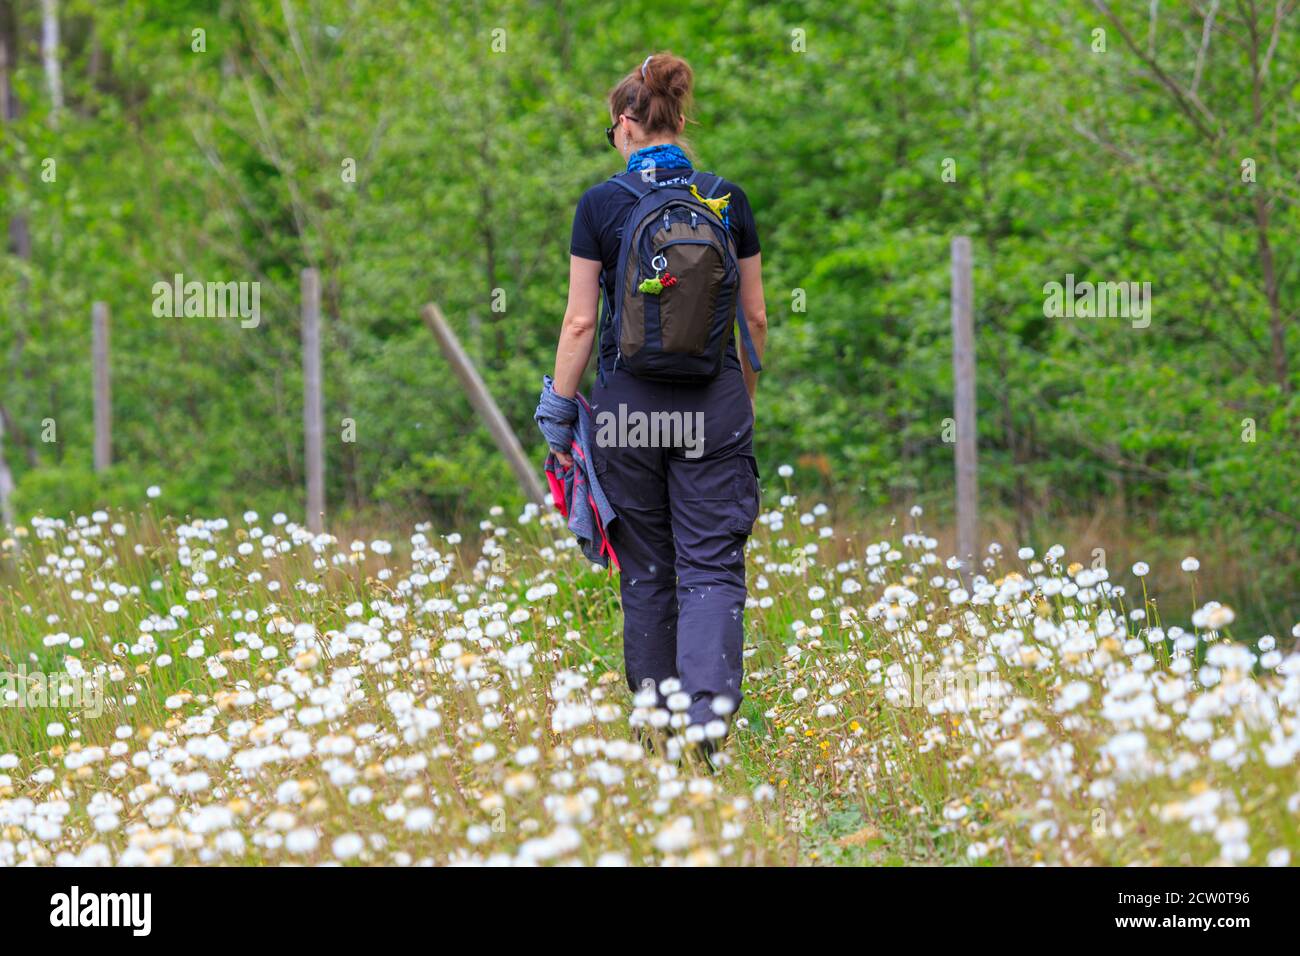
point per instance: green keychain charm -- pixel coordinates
(661, 279)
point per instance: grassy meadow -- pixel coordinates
(238, 691)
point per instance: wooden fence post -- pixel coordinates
(506, 440)
(963, 375)
(313, 406)
(6, 484)
(103, 387)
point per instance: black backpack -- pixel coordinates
(677, 285)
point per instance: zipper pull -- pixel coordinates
(694, 219)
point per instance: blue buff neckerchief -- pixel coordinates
(666, 155)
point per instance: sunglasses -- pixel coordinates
(609, 130)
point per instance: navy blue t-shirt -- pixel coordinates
(598, 230)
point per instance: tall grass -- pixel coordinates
(273, 696)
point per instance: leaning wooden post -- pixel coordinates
(963, 374)
(506, 441)
(313, 414)
(103, 414)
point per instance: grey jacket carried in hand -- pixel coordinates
(577, 493)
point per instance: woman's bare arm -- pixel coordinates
(578, 333)
(751, 299)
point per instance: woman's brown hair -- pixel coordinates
(656, 94)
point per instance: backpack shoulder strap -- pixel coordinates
(746, 339)
(632, 182)
(638, 187)
(713, 181)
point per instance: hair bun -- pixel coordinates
(668, 76)
(656, 94)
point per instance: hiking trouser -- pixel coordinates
(685, 488)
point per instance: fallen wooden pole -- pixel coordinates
(506, 440)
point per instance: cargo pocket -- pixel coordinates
(744, 512)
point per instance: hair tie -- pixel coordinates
(643, 66)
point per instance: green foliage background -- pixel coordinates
(837, 117)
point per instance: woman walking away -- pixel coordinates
(672, 254)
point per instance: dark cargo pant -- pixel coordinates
(684, 515)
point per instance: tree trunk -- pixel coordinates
(50, 56)
(20, 244)
(1276, 324)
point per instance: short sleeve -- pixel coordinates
(742, 224)
(585, 243)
